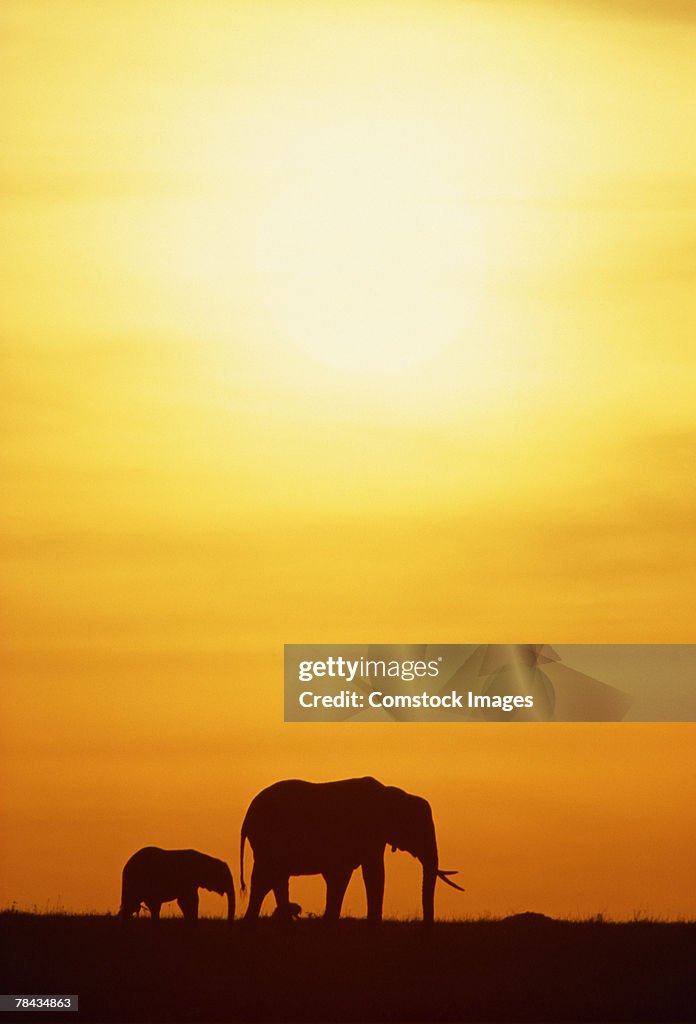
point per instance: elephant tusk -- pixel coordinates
(443, 875)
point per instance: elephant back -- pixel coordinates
(309, 825)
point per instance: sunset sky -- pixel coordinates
(343, 322)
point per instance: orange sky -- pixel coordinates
(335, 323)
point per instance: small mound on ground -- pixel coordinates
(529, 917)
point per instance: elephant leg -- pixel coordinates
(373, 876)
(336, 885)
(261, 885)
(281, 891)
(128, 908)
(188, 904)
(154, 907)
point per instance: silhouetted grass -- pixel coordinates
(525, 968)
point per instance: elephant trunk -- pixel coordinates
(230, 902)
(429, 879)
(429, 860)
(229, 892)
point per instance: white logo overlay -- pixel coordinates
(471, 683)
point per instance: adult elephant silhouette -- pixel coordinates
(330, 829)
(153, 876)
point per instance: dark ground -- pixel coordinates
(521, 969)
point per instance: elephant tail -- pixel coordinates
(242, 841)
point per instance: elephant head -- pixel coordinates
(410, 827)
(215, 876)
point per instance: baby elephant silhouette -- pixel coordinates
(289, 913)
(153, 876)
